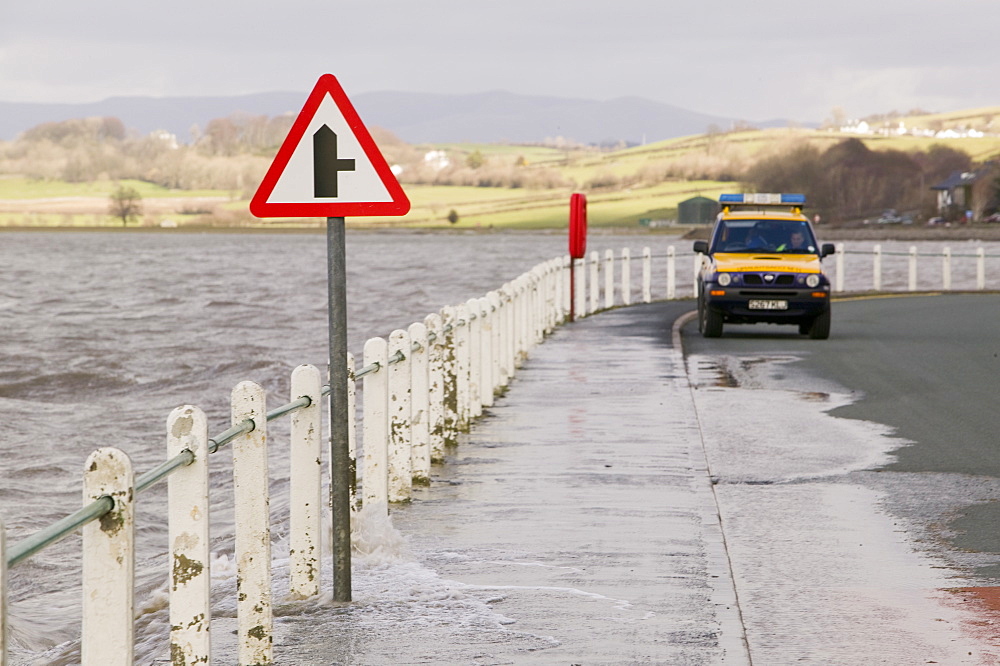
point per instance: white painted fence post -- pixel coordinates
(509, 351)
(877, 268)
(912, 282)
(108, 637)
(486, 380)
(475, 362)
(647, 275)
(537, 286)
(542, 308)
(501, 330)
(462, 362)
(980, 268)
(435, 386)
(189, 538)
(400, 469)
(520, 320)
(671, 273)
(626, 276)
(450, 374)
(3, 594)
(527, 325)
(609, 278)
(497, 327)
(352, 435)
(699, 259)
(555, 268)
(305, 531)
(840, 267)
(375, 425)
(595, 284)
(558, 314)
(579, 285)
(946, 269)
(567, 293)
(253, 527)
(420, 449)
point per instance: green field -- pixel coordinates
(625, 188)
(16, 187)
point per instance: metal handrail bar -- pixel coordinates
(57, 530)
(301, 403)
(368, 369)
(398, 357)
(226, 436)
(163, 470)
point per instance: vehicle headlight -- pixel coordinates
(812, 280)
(724, 279)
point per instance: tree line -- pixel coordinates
(849, 181)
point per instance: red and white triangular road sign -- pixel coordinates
(328, 165)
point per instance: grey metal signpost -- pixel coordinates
(342, 471)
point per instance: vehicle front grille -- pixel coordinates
(754, 279)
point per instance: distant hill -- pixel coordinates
(488, 117)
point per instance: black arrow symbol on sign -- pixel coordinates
(326, 165)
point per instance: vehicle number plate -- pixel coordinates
(768, 305)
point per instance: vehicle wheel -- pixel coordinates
(701, 316)
(820, 329)
(711, 323)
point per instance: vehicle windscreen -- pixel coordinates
(773, 236)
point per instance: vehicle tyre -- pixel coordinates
(701, 315)
(711, 323)
(820, 329)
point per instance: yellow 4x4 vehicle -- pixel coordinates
(763, 265)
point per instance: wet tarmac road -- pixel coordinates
(625, 503)
(928, 367)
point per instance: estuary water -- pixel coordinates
(104, 333)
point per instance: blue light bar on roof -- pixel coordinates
(763, 199)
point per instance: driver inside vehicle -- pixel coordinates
(796, 241)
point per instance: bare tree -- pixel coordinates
(125, 204)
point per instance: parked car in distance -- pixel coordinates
(892, 217)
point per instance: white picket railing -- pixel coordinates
(421, 387)
(940, 279)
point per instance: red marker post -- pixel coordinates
(577, 243)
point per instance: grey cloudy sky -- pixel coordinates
(751, 60)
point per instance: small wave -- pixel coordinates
(52, 387)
